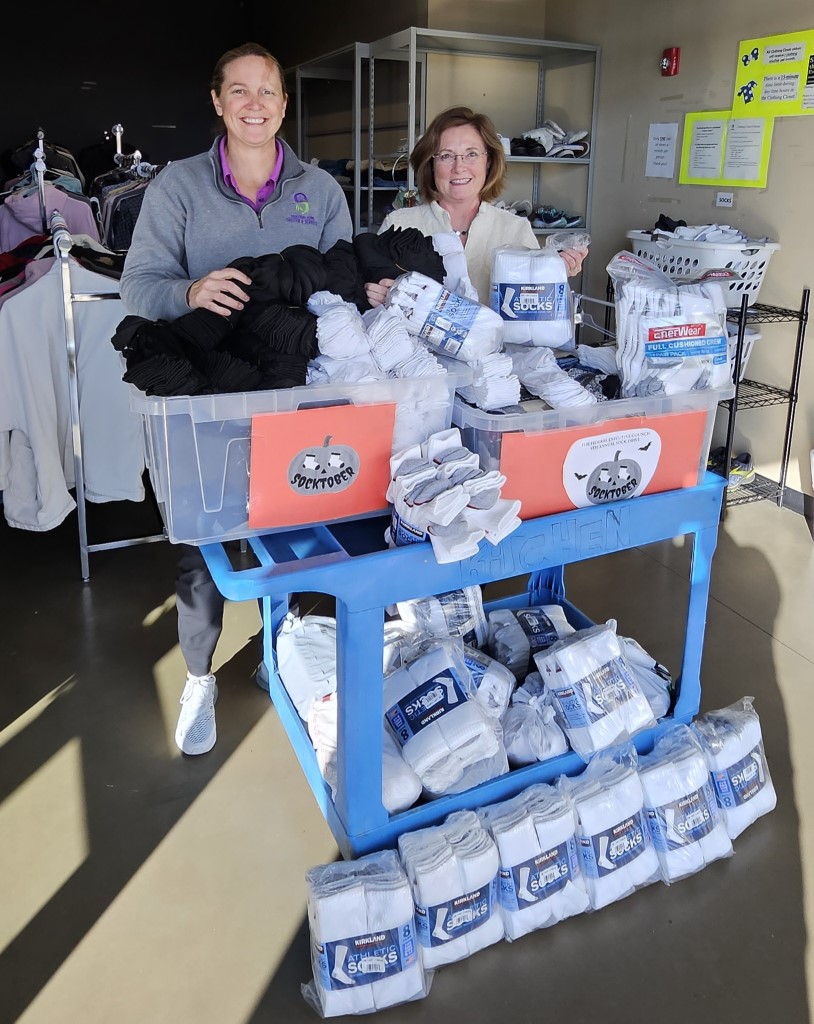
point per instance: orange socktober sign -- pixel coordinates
(318, 465)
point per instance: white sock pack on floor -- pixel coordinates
(616, 852)
(453, 871)
(541, 881)
(529, 291)
(516, 634)
(363, 944)
(595, 694)
(446, 322)
(733, 743)
(447, 738)
(530, 732)
(686, 827)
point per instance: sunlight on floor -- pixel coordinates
(49, 803)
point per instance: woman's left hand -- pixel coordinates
(573, 260)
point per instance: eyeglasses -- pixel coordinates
(447, 159)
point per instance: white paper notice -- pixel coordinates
(661, 150)
(706, 150)
(744, 145)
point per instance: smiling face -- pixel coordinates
(251, 101)
(460, 182)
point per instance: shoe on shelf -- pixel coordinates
(741, 470)
(195, 732)
(715, 461)
(519, 146)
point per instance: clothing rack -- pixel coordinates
(63, 243)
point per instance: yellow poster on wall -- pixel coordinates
(718, 148)
(775, 76)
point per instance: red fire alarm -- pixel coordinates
(669, 61)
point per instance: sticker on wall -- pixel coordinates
(610, 467)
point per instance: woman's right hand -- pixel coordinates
(377, 293)
(219, 291)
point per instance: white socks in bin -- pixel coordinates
(439, 493)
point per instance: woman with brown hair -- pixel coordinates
(460, 170)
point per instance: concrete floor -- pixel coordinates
(140, 886)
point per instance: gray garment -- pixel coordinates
(191, 223)
(200, 611)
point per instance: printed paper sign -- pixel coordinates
(576, 467)
(318, 465)
(775, 76)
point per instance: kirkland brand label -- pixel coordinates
(449, 322)
(606, 851)
(682, 821)
(444, 922)
(477, 662)
(365, 958)
(741, 781)
(425, 705)
(531, 302)
(666, 341)
(403, 532)
(539, 877)
(594, 697)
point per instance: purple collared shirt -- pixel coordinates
(266, 190)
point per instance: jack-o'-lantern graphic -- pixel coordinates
(327, 469)
(611, 467)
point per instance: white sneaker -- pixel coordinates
(195, 732)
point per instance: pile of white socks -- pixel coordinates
(306, 658)
(517, 634)
(529, 291)
(616, 852)
(685, 825)
(493, 683)
(538, 371)
(448, 739)
(530, 732)
(453, 871)
(733, 743)
(440, 494)
(596, 696)
(541, 881)
(494, 383)
(363, 944)
(446, 322)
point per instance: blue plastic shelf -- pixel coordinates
(351, 562)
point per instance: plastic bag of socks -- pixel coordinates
(516, 634)
(529, 291)
(596, 696)
(364, 951)
(457, 613)
(686, 826)
(733, 743)
(530, 731)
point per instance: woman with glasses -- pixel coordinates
(460, 170)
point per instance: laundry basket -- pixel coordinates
(682, 257)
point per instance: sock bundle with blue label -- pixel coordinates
(446, 737)
(616, 852)
(446, 322)
(453, 871)
(516, 634)
(686, 827)
(596, 697)
(541, 881)
(529, 291)
(733, 743)
(363, 944)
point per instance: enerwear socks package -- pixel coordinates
(363, 944)
(733, 743)
(453, 871)
(541, 882)
(686, 827)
